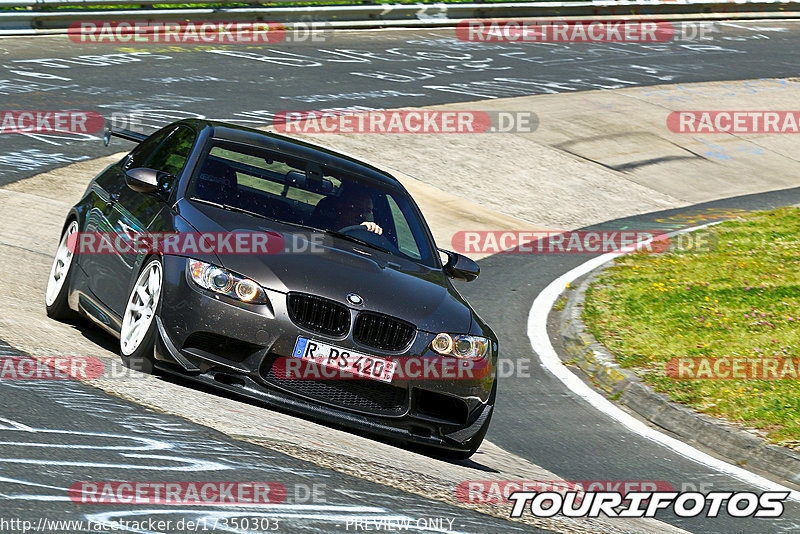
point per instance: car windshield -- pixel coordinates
(298, 192)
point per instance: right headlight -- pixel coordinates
(225, 282)
(461, 346)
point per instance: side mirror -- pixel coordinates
(143, 180)
(460, 267)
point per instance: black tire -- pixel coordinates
(143, 359)
(59, 309)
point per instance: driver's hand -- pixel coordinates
(373, 227)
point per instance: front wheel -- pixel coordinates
(57, 293)
(138, 333)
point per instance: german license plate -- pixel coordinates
(347, 362)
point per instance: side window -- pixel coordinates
(139, 155)
(405, 236)
(172, 153)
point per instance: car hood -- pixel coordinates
(333, 268)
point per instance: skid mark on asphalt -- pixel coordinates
(145, 444)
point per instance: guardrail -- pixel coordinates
(389, 15)
(7, 4)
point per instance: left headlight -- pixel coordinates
(461, 346)
(225, 282)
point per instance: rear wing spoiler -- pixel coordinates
(122, 133)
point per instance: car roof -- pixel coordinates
(293, 147)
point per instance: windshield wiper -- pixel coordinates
(233, 208)
(341, 235)
(248, 212)
(360, 241)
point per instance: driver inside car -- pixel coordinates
(353, 209)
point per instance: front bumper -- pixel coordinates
(231, 345)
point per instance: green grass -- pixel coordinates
(741, 299)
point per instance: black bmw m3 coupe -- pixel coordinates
(284, 272)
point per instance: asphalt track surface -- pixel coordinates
(54, 434)
(248, 84)
(367, 70)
